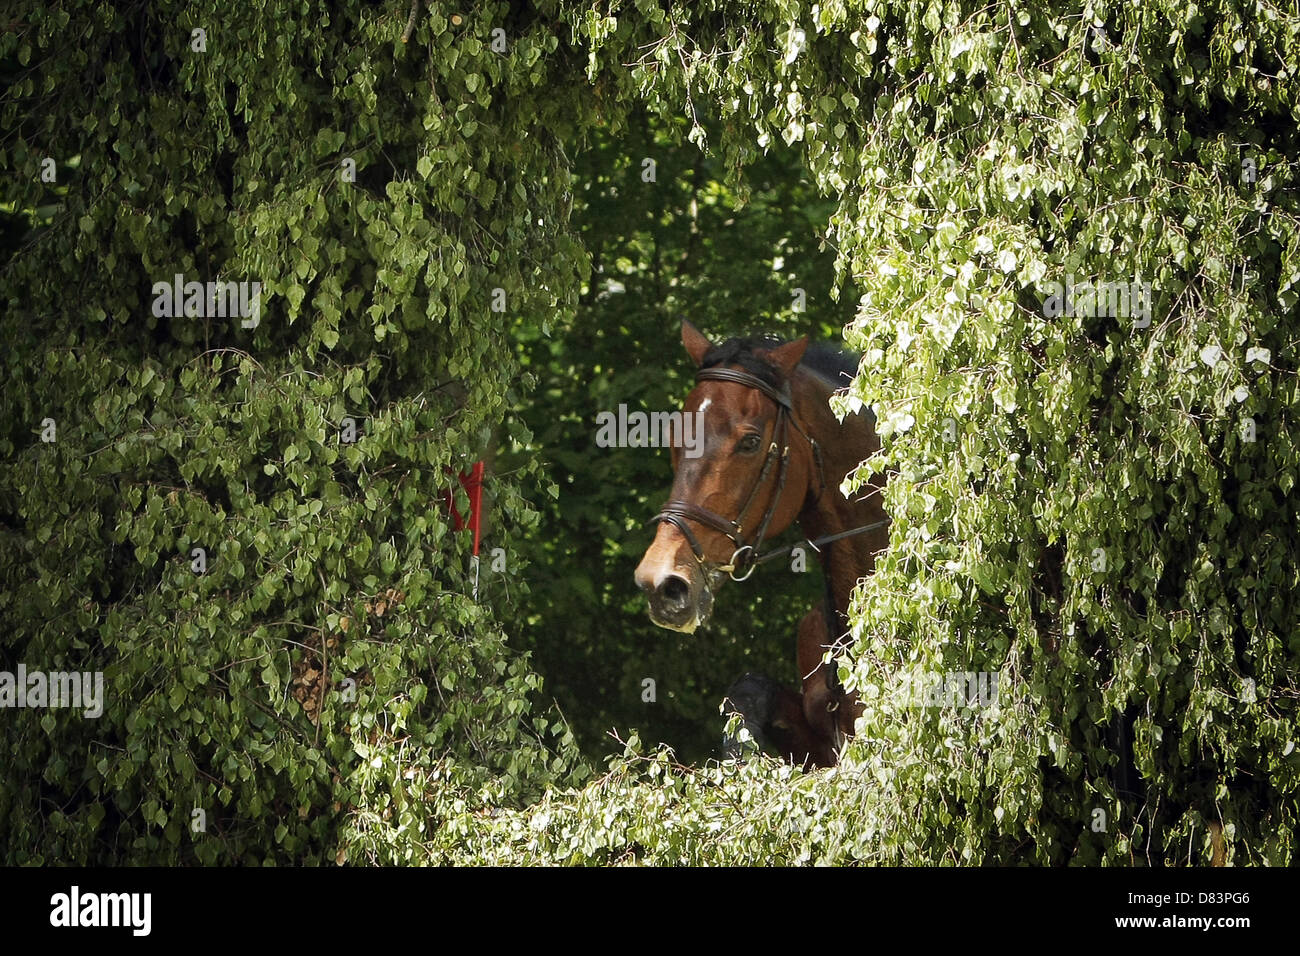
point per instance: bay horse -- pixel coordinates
(773, 453)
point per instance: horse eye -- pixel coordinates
(749, 443)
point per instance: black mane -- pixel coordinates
(823, 359)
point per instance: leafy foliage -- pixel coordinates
(330, 652)
(1080, 504)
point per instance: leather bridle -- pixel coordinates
(745, 557)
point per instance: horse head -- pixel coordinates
(750, 478)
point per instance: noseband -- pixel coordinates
(745, 557)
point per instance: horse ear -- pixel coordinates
(695, 342)
(787, 357)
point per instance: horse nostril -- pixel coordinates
(674, 591)
(645, 582)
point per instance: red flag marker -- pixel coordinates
(472, 482)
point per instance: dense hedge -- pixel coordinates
(1099, 510)
(235, 163)
(1110, 524)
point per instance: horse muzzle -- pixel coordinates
(677, 601)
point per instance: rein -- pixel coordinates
(824, 539)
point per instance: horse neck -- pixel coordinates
(843, 447)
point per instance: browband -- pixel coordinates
(718, 374)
